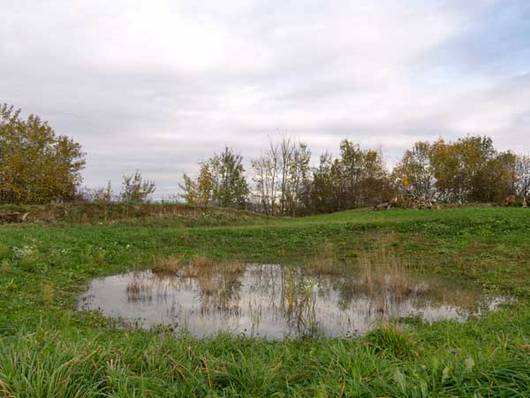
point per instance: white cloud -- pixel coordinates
(160, 85)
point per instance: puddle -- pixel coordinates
(276, 302)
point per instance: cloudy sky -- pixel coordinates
(159, 85)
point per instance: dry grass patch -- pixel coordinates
(167, 266)
(201, 265)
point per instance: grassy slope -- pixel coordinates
(125, 213)
(48, 349)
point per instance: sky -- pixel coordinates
(160, 85)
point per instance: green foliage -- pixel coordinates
(472, 170)
(230, 188)
(36, 165)
(356, 179)
(199, 192)
(221, 182)
(414, 175)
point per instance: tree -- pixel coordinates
(220, 182)
(189, 190)
(282, 177)
(357, 178)
(266, 170)
(135, 189)
(374, 185)
(470, 169)
(36, 165)
(414, 173)
(522, 173)
(230, 188)
(323, 195)
(298, 180)
(349, 174)
(199, 192)
(497, 180)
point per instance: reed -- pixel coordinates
(139, 289)
(167, 266)
(381, 271)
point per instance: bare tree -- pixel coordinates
(135, 188)
(266, 170)
(281, 175)
(286, 157)
(522, 172)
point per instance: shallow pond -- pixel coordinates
(271, 301)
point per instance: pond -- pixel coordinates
(276, 302)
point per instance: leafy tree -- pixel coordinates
(230, 188)
(199, 192)
(472, 170)
(497, 179)
(221, 182)
(414, 174)
(189, 190)
(205, 185)
(374, 185)
(323, 195)
(36, 165)
(357, 178)
(135, 189)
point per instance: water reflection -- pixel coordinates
(276, 302)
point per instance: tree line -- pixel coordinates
(39, 166)
(469, 169)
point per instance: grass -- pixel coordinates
(129, 213)
(48, 349)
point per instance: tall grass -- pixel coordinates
(387, 362)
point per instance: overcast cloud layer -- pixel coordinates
(159, 85)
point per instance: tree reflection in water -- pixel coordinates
(280, 301)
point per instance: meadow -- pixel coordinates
(49, 349)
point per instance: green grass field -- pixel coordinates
(48, 349)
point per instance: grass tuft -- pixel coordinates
(389, 339)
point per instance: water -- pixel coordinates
(276, 302)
